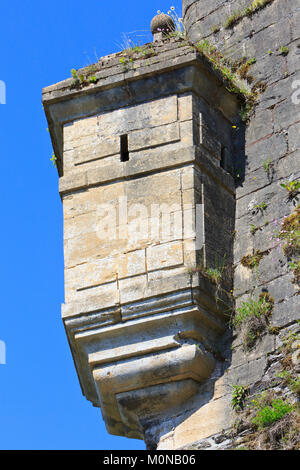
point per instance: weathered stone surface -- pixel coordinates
(165, 255)
(273, 148)
(150, 138)
(294, 132)
(287, 312)
(210, 418)
(103, 147)
(260, 127)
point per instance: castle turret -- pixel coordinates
(150, 146)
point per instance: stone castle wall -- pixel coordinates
(272, 134)
(143, 329)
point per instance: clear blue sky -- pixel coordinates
(41, 405)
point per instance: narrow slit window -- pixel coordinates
(124, 148)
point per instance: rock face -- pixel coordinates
(149, 144)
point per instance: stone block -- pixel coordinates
(255, 180)
(276, 93)
(75, 179)
(243, 243)
(293, 64)
(185, 107)
(293, 136)
(141, 139)
(95, 298)
(141, 189)
(68, 160)
(281, 288)
(272, 265)
(80, 128)
(168, 280)
(88, 246)
(188, 177)
(288, 167)
(101, 271)
(208, 141)
(272, 38)
(102, 148)
(269, 68)
(205, 422)
(296, 24)
(287, 312)
(246, 373)
(152, 114)
(286, 113)
(259, 127)
(244, 279)
(273, 148)
(187, 132)
(132, 289)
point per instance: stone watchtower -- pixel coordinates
(140, 139)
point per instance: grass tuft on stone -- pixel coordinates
(238, 15)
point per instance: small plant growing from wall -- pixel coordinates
(133, 50)
(236, 74)
(287, 238)
(274, 330)
(284, 50)
(123, 62)
(76, 80)
(294, 385)
(85, 78)
(253, 229)
(261, 207)
(90, 69)
(270, 419)
(252, 318)
(245, 112)
(292, 187)
(268, 168)
(93, 79)
(290, 233)
(239, 394)
(295, 267)
(268, 414)
(233, 19)
(214, 274)
(242, 67)
(266, 164)
(252, 261)
(53, 159)
(215, 29)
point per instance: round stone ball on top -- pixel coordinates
(162, 23)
